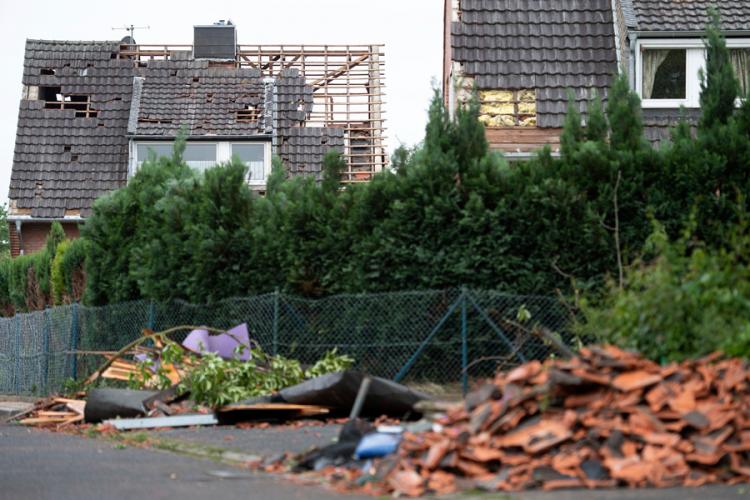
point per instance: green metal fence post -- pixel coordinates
(74, 342)
(18, 354)
(464, 345)
(151, 316)
(275, 322)
(405, 369)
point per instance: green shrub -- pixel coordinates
(57, 278)
(6, 305)
(688, 301)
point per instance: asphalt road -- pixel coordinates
(40, 465)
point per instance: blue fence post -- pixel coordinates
(275, 327)
(45, 371)
(74, 334)
(464, 345)
(18, 354)
(151, 316)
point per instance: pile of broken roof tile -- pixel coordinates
(607, 418)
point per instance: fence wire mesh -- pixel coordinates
(444, 337)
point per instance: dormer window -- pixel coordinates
(200, 155)
(741, 63)
(667, 70)
(664, 74)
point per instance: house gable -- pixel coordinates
(68, 153)
(532, 47)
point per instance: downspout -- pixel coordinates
(20, 238)
(633, 59)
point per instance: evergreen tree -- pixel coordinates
(572, 134)
(719, 85)
(625, 117)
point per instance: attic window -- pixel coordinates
(47, 71)
(664, 74)
(249, 114)
(54, 99)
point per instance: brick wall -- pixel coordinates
(34, 235)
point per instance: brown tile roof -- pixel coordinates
(549, 45)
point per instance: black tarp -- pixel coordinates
(103, 404)
(338, 391)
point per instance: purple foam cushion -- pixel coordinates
(224, 344)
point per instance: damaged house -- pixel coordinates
(92, 112)
(523, 57)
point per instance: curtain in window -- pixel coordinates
(741, 63)
(652, 59)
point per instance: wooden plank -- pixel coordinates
(43, 420)
(56, 414)
(260, 407)
(523, 135)
(76, 405)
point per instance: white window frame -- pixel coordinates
(223, 155)
(695, 60)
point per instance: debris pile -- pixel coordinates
(604, 419)
(200, 381)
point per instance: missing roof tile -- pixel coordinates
(249, 114)
(73, 158)
(66, 149)
(47, 71)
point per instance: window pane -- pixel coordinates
(741, 63)
(144, 150)
(248, 152)
(200, 152)
(664, 74)
(252, 155)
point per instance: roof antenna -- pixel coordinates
(132, 29)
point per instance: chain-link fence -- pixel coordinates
(433, 336)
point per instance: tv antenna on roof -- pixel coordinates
(132, 29)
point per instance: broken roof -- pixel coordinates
(186, 93)
(689, 15)
(63, 161)
(550, 46)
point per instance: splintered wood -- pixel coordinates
(605, 419)
(57, 412)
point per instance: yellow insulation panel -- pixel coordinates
(507, 108)
(496, 96)
(497, 109)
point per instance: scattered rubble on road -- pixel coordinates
(607, 418)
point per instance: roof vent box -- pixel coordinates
(217, 41)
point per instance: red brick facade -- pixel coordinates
(34, 234)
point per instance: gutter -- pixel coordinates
(28, 218)
(686, 34)
(196, 138)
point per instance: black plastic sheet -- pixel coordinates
(103, 404)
